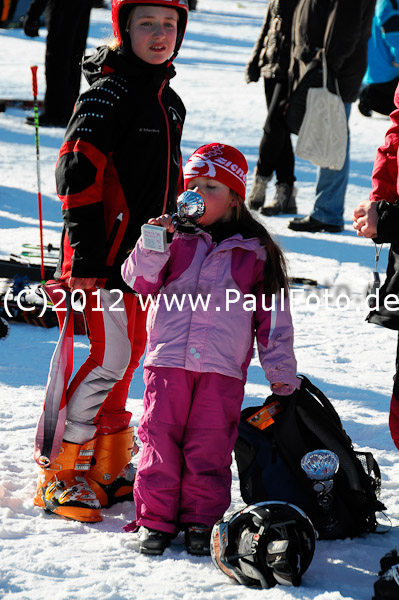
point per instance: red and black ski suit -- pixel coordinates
(385, 181)
(119, 165)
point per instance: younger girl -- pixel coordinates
(198, 355)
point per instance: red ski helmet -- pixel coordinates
(121, 8)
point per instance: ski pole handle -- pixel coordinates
(34, 80)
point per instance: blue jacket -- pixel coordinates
(383, 47)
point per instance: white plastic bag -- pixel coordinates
(323, 135)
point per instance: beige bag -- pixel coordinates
(323, 135)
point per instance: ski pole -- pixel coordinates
(39, 193)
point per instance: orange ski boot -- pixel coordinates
(62, 487)
(112, 474)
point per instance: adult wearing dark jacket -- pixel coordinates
(347, 58)
(378, 219)
(271, 59)
(119, 165)
(67, 23)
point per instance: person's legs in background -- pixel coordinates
(275, 156)
(328, 210)
(78, 42)
(67, 25)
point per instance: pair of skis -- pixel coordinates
(50, 252)
(34, 105)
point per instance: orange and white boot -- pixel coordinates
(111, 475)
(62, 487)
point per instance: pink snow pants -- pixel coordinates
(188, 430)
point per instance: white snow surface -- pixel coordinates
(349, 359)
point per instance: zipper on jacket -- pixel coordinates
(165, 202)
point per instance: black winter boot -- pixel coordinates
(364, 108)
(283, 201)
(258, 192)
(152, 541)
(198, 539)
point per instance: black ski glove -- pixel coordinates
(252, 72)
(31, 25)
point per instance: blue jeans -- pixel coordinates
(331, 188)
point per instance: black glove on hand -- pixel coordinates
(252, 72)
(31, 25)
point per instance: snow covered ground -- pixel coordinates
(350, 360)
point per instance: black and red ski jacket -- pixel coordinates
(119, 164)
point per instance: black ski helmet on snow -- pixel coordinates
(264, 544)
(120, 11)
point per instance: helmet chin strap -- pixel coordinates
(280, 557)
(259, 575)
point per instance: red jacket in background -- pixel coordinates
(385, 182)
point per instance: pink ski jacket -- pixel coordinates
(208, 305)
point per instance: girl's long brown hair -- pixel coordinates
(275, 271)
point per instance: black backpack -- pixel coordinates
(269, 464)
